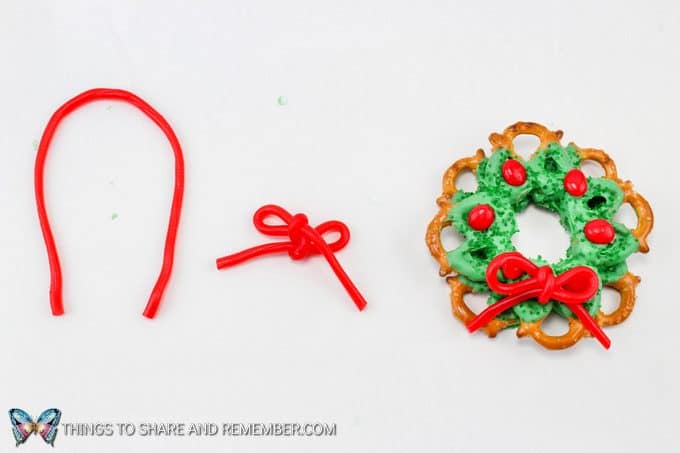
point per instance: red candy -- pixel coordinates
(575, 182)
(511, 271)
(514, 172)
(481, 217)
(599, 231)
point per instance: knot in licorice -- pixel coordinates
(301, 247)
(545, 279)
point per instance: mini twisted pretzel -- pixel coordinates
(506, 139)
(645, 216)
(625, 286)
(440, 220)
(465, 314)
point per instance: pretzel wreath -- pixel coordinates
(524, 291)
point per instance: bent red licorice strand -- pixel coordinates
(304, 241)
(98, 94)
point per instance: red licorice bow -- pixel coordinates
(98, 94)
(304, 241)
(573, 288)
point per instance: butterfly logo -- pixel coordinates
(23, 425)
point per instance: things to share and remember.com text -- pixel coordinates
(315, 429)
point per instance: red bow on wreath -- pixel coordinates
(573, 288)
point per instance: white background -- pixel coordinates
(382, 97)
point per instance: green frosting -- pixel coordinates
(544, 187)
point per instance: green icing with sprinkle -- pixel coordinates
(544, 187)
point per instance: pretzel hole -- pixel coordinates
(476, 301)
(610, 300)
(525, 145)
(482, 254)
(592, 168)
(466, 181)
(550, 164)
(555, 325)
(451, 238)
(596, 201)
(626, 215)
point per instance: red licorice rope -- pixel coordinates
(304, 241)
(98, 94)
(573, 288)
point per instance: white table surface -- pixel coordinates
(382, 97)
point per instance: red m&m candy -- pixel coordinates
(511, 271)
(481, 217)
(514, 172)
(575, 182)
(599, 231)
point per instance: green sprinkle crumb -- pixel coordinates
(282, 100)
(114, 216)
(35, 144)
